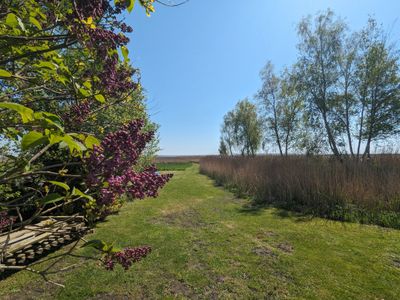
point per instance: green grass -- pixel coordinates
(173, 166)
(207, 244)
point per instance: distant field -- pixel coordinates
(183, 158)
(173, 166)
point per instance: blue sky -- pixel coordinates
(197, 60)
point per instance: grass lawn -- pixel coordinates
(173, 166)
(207, 244)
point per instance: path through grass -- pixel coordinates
(207, 244)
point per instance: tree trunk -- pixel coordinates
(331, 139)
(276, 130)
(349, 139)
(360, 131)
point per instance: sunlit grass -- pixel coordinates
(173, 166)
(207, 243)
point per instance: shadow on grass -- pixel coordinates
(258, 209)
(297, 216)
(253, 209)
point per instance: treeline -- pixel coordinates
(340, 97)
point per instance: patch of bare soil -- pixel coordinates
(265, 234)
(109, 296)
(396, 262)
(178, 288)
(264, 251)
(187, 218)
(35, 291)
(285, 247)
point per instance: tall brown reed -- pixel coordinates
(367, 192)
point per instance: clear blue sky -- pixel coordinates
(199, 59)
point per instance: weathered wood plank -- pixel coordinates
(35, 239)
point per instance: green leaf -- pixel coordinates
(87, 84)
(35, 22)
(11, 20)
(55, 138)
(47, 65)
(32, 139)
(60, 184)
(125, 53)
(101, 246)
(84, 92)
(131, 5)
(97, 244)
(91, 141)
(77, 192)
(73, 144)
(51, 198)
(50, 119)
(100, 98)
(4, 73)
(109, 248)
(42, 15)
(79, 136)
(61, 78)
(25, 112)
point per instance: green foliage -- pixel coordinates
(350, 82)
(242, 129)
(64, 85)
(280, 103)
(340, 96)
(223, 150)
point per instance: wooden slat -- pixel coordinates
(16, 234)
(31, 240)
(11, 261)
(35, 239)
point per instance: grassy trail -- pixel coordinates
(206, 244)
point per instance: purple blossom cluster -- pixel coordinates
(126, 257)
(104, 42)
(126, 28)
(104, 39)
(78, 113)
(5, 220)
(116, 78)
(111, 170)
(91, 8)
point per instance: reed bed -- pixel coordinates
(365, 192)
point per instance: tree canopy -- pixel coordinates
(241, 129)
(74, 129)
